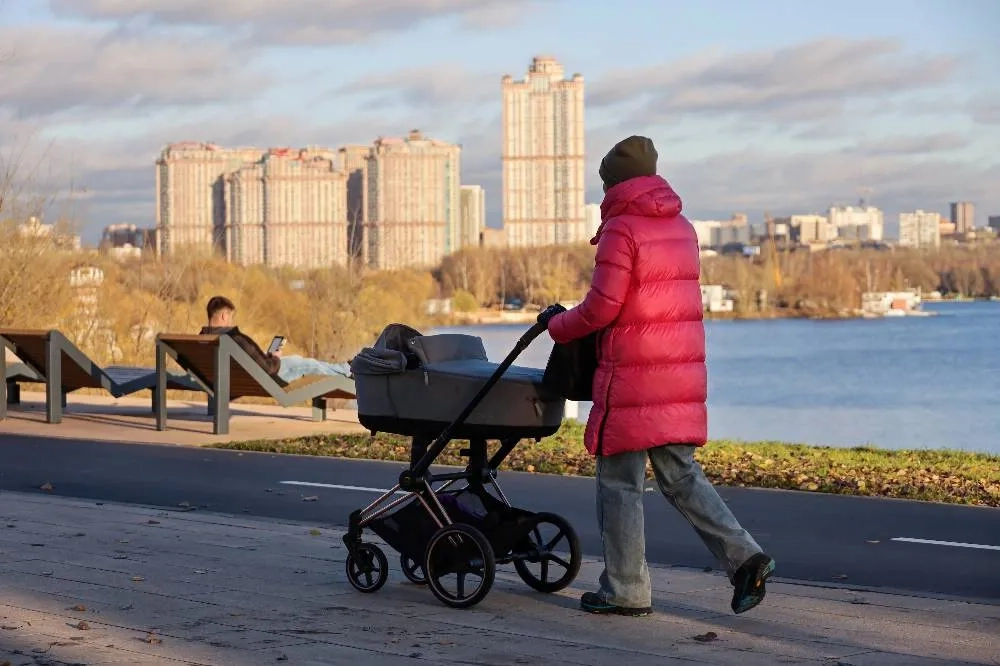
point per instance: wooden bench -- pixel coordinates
(228, 373)
(49, 358)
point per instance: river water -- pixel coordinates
(907, 382)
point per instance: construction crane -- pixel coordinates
(774, 250)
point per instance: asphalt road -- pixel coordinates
(813, 537)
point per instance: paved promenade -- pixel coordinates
(83, 582)
(129, 419)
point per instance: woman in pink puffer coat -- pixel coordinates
(651, 383)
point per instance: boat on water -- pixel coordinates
(905, 303)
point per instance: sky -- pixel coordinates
(754, 105)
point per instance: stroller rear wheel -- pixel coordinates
(541, 545)
(367, 568)
(454, 554)
(413, 570)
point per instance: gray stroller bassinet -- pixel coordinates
(415, 385)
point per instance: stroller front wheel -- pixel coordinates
(542, 547)
(454, 554)
(413, 570)
(367, 568)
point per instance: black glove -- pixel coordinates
(548, 313)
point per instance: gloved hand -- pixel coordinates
(548, 313)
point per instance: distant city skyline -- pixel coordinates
(760, 106)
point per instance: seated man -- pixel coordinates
(221, 313)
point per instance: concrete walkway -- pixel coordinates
(130, 419)
(95, 583)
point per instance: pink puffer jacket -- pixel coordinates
(651, 382)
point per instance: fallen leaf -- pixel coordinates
(82, 626)
(706, 638)
(79, 608)
(137, 579)
(311, 498)
(45, 486)
(152, 639)
(314, 532)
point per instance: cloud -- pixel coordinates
(300, 22)
(438, 86)
(913, 145)
(758, 180)
(806, 82)
(985, 110)
(57, 69)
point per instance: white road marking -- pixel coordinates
(337, 486)
(955, 544)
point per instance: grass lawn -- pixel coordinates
(932, 475)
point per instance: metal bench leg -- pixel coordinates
(55, 397)
(160, 390)
(319, 409)
(9, 395)
(221, 418)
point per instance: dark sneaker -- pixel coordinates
(749, 581)
(595, 603)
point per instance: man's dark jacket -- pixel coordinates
(270, 363)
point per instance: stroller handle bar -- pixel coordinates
(435, 448)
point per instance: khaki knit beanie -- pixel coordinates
(630, 158)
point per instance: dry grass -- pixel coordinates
(931, 475)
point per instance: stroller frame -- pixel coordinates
(505, 536)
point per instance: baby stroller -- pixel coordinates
(449, 538)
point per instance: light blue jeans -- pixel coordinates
(294, 367)
(620, 489)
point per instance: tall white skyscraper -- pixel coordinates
(473, 204)
(413, 215)
(592, 213)
(543, 157)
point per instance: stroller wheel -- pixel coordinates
(455, 554)
(368, 568)
(551, 536)
(413, 570)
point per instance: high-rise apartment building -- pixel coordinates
(719, 233)
(920, 229)
(813, 228)
(353, 160)
(412, 215)
(543, 156)
(994, 222)
(864, 223)
(190, 194)
(288, 209)
(473, 204)
(592, 214)
(963, 216)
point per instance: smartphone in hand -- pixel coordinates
(276, 344)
